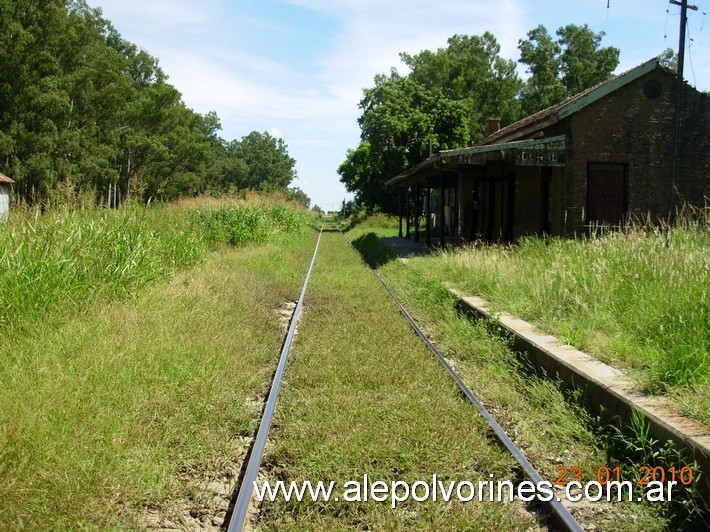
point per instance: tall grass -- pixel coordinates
(50, 263)
(237, 227)
(639, 297)
(123, 408)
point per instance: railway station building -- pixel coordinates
(601, 157)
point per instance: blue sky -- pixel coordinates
(296, 68)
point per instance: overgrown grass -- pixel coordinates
(362, 395)
(237, 227)
(50, 263)
(133, 403)
(380, 405)
(638, 299)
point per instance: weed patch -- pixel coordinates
(52, 263)
(135, 403)
(637, 299)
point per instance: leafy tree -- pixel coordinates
(562, 68)
(300, 196)
(356, 173)
(268, 164)
(400, 117)
(583, 62)
(542, 56)
(83, 109)
(445, 100)
(470, 71)
(234, 169)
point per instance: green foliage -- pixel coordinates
(53, 262)
(82, 107)
(400, 117)
(300, 196)
(471, 71)
(448, 95)
(241, 226)
(542, 56)
(562, 68)
(57, 260)
(268, 165)
(356, 173)
(583, 62)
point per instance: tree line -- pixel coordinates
(82, 109)
(445, 99)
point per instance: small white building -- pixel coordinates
(5, 183)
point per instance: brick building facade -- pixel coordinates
(603, 156)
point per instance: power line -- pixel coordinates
(678, 100)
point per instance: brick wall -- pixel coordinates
(629, 128)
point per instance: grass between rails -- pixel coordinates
(363, 395)
(128, 402)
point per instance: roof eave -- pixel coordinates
(426, 165)
(504, 146)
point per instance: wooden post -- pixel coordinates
(409, 210)
(400, 212)
(428, 211)
(510, 206)
(545, 177)
(491, 207)
(416, 212)
(442, 222)
(461, 207)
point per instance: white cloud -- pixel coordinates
(371, 35)
(155, 16)
(275, 132)
(248, 66)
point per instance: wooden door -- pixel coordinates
(606, 193)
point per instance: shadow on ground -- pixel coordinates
(378, 251)
(405, 247)
(373, 251)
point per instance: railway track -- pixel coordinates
(244, 491)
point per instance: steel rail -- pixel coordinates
(236, 523)
(562, 515)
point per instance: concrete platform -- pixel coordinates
(408, 247)
(602, 385)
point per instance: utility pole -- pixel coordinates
(678, 100)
